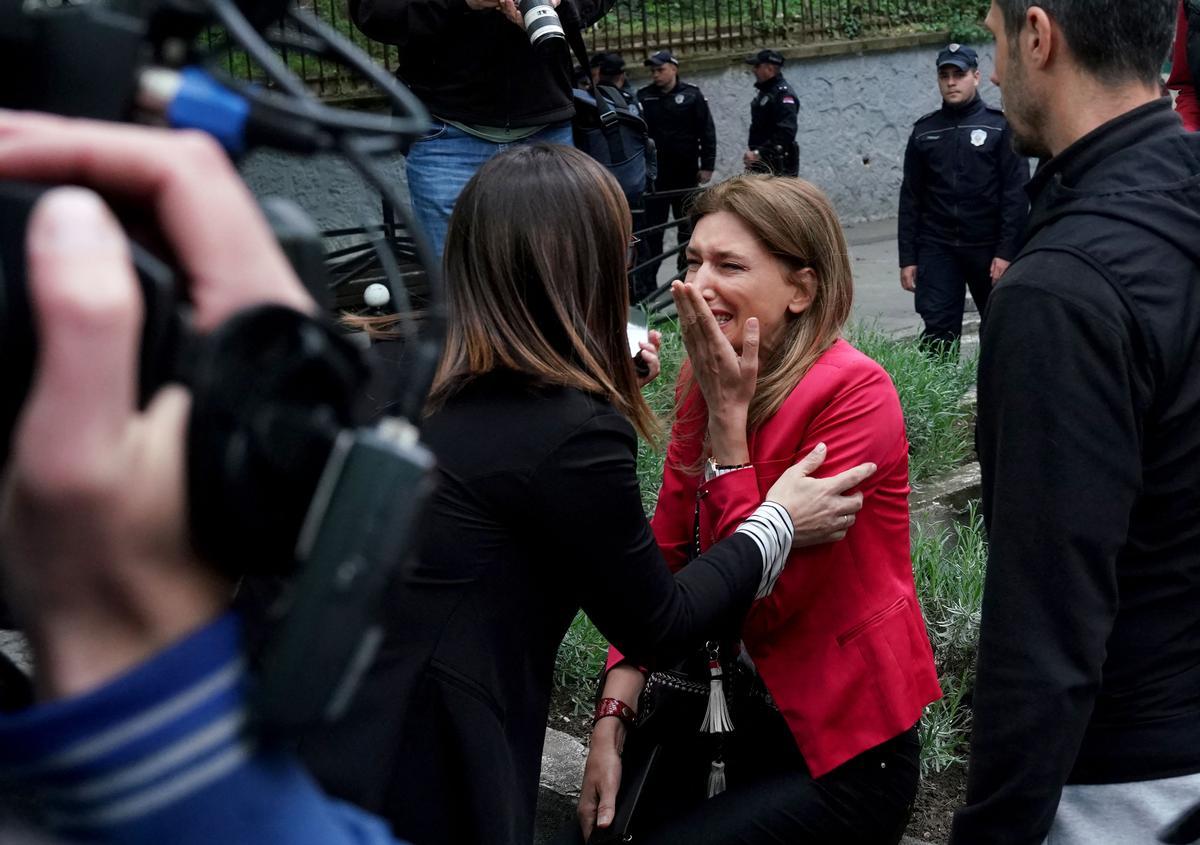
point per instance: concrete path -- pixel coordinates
(878, 297)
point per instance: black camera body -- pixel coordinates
(161, 331)
(283, 478)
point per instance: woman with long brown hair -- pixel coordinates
(829, 672)
(537, 513)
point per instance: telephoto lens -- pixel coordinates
(541, 22)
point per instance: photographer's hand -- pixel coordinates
(204, 210)
(508, 8)
(92, 512)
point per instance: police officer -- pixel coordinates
(962, 203)
(678, 119)
(772, 146)
(609, 69)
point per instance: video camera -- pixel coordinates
(283, 478)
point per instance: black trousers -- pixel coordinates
(771, 798)
(656, 213)
(944, 273)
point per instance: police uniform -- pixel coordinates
(962, 204)
(611, 65)
(681, 125)
(774, 118)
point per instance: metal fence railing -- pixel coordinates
(639, 27)
(636, 28)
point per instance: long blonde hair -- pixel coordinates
(796, 223)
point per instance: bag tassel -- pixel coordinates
(716, 778)
(716, 717)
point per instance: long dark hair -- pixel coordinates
(536, 278)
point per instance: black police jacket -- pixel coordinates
(774, 115)
(682, 128)
(1088, 437)
(964, 185)
(476, 67)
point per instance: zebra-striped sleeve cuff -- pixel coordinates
(771, 529)
(153, 737)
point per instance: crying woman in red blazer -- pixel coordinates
(837, 652)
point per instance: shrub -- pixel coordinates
(931, 393)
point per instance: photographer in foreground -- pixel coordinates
(139, 734)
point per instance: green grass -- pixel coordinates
(931, 393)
(949, 568)
(580, 658)
(661, 396)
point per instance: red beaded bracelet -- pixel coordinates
(614, 707)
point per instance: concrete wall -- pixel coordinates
(856, 112)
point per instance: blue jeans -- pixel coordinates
(440, 164)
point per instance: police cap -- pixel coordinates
(766, 57)
(610, 64)
(661, 58)
(959, 55)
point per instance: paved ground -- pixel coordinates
(878, 297)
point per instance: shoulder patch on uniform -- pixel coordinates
(926, 117)
(789, 100)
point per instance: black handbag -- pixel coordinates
(676, 706)
(671, 710)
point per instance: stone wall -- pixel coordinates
(856, 112)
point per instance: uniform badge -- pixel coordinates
(678, 99)
(789, 100)
(954, 48)
(765, 99)
(978, 137)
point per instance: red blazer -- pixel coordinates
(840, 643)
(1187, 104)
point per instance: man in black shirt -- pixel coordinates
(962, 203)
(1086, 720)
(772, 146)
(470, 62)
(681, 125)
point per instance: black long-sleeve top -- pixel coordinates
(964, 184)
(1089, 442)
(476, 66)
(774, 119)
(682, 127)
(537, 514)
